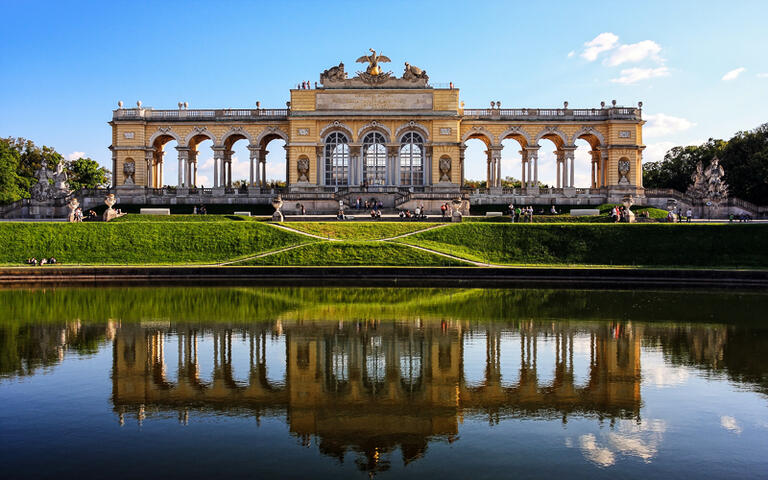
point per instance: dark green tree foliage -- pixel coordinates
(12, 186)
(744, 159)
(86, 173)
(21, 158)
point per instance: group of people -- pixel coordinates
(42, 261)
(524, 214)
(371, 204)
(417, 214)
(79, 216)
(200, 210)
(742, 217)
(620, 213)
(445, 209)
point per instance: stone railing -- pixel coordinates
(229, 114)
(560, 114)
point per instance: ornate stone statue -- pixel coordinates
(129, 170)
(60, 185)
(717, 189)
(303, 168)
(445, 169)
(336, 73)
(110, 213)
(72, 205)
(414, 73)
(42, 190)
(628, 201)
(277, 203)
(698, 189)
(373, 62)
(624, 172)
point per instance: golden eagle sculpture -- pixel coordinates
(373, 62)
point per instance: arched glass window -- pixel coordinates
(374, 159)
(336, 159)
(411, 159)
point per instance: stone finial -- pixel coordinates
(186, 105)
(138, 103)
(493, 104)
(258, 104)
(498, 104)
(119, 104)
(602, 104)
(180, 105)
(639, 104)
(613, 102)
(565, 104)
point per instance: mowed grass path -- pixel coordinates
(141, 243)
(660, 245)
(359, 230)
(355, 254)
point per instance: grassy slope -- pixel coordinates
(354, 253)
(140, 243)
(136, 218)
(592, 244)
(359, 230)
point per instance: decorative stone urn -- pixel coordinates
(72, 206)
(277, 203)
(110, 213)
(456, 211)
(628, 201)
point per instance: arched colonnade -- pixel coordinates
(188, 148)
(565, 148)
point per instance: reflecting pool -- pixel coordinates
(249, 382)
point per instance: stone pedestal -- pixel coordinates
(277, 216)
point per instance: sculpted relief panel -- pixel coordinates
(374, 101)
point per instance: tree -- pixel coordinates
(86, 173)
(679, 163)
(13, 186)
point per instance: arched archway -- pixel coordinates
(476, 163)
(194, 144)
(165, 163)
(273, 162)
(589, 161)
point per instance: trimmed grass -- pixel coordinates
(663, 245)
(359, 231)
(354, 254)
(141, 243)
(543, 219)
(137, 218)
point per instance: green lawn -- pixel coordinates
(137, 218)
(359, 230)
(141, 243)
(665, 245)
(354, 253)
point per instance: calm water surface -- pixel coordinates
(348, 383)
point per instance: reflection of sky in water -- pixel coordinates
(628, 438)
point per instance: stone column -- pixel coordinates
(462, 148)
(183, 157)
(568, 155)
(356, 170)
(114, 169)
(604, 166)
(193, 167)
(559, 178)
(496, 164)
(488, 169)
(320, 170)
(159, 159)
(218, 163)
(264, 168)
(532, 156)
(524, 161)
(149, 159)
(254, 155)
(229, 168)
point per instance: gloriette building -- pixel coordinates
(396, 138)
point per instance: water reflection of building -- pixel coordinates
(373, 387)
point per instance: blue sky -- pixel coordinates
(699, 67)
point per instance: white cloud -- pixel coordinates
(733, 74)
(730, 424)
(660, 125)
(634, 75)
(203, 180)
(75, 155)
(629, 439)
(634, 52)
(571, 53)
(601, 43)
(762, 75)
(654, 152)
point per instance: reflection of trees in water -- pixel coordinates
(735, 351)
(27, 348)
